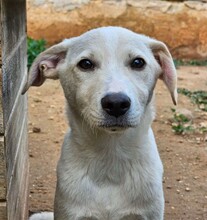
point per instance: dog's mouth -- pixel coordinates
(115, 128)
(113, 124)
(116, 125)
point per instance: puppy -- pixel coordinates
(109, 168)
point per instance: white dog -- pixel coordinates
(109, 167)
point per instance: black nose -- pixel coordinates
(116, 104)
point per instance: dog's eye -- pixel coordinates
(86, 64)
(137, 63)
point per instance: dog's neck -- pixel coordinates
(110, 153)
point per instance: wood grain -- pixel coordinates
(2, 171)
(14, 165)
(3, 211)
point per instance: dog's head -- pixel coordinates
(107, 74)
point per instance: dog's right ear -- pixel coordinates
(164, 59)
(46, 65)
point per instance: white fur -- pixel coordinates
(109, 167)
(42, 216)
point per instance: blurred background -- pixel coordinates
(181, 24)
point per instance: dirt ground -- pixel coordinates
(184, 156)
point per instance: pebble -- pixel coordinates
(37, 100)
(196, 73)
(178, 191)
(203, 124)
(36, 130)
(56, 142)
(198, 139)
(187, 189)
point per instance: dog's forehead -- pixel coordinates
(110, 39)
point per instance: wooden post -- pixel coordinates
(13, 112)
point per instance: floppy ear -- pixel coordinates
(168, 74)
(45, 65)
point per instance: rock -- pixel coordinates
(36, 130)
(178, 191)
(187, 189)
(178, 179)
(203, 124)
(182, 25)
(37, 100)
(202, 6)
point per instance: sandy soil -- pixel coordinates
(184, 156)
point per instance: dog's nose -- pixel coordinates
(116, 104)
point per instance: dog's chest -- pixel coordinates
(112, 185)
(109, 198)
(128, 196)
(116, 203)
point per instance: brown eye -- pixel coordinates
(86, 64)
(137, 63)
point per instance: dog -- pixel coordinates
(109, 168)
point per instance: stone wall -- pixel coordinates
(182, 26)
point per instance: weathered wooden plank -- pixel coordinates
(13, 70)
(13, 17)
(2, 171)
(14, 131)
(1, 105)
(3, 211)
(2, 153)
(13, 42)
(18, 186)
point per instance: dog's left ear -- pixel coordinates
(168, 74)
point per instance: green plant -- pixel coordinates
(184, 91)
(178, 63)
(180, 123)
(197, 97)
(34, 47)
(197, 62)
(190, 63)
